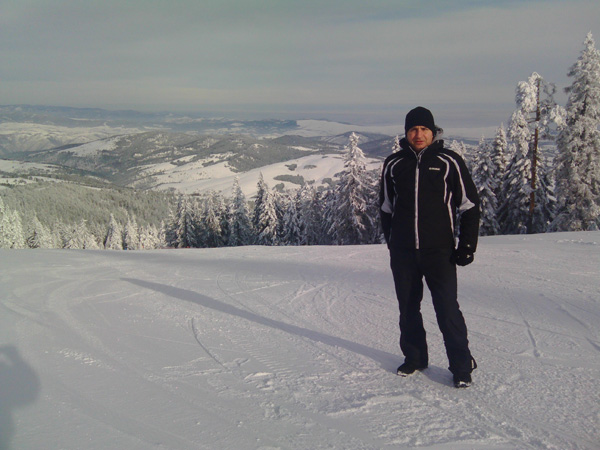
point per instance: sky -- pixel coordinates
(363, 62)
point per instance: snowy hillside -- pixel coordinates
(24, 137)
(293, 348)
(195, 177)
(190, 163)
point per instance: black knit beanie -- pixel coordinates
(419, 117)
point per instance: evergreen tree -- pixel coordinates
(78, 236)
(11, 228)
(131, 234)
(513, 213)
(149, 237)
(181, 231)
(310, 209)
(240, 228)
(280, 200)
(545, 205)
(352, 221)
(324, 212)
(578, 160)
(499, 158)
(265, 221)
(487, 186)
(39, 235)
(268, 224)
(396, 147)
(114, 235)
(261, 193)
(292, 224)
(458, 147)
(210, 234)
(535, 101)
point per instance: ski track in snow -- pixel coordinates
(294, 348)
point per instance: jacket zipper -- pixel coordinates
(418, 155)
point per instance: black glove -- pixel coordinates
(463, 256)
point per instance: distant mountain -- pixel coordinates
(182, 153)
(96, 117)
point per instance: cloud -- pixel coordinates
(335, 54)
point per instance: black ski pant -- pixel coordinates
(409, 267)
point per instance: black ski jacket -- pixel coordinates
(421, 195)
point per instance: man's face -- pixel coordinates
(419, 137)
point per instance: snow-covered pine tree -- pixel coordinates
(39, 235)
(264, 220)
(487, 185)
(11, 228)
(149, 237)
(78, 236)
(114, 235)
(292, 225)
(545, 205)
(396, 147)
(240, 228)
(131, 234)
(261, 189)
(170, 228)
(181, 231)
(578, 161)
(280, 200)
(458, 147)
(513, 212)
(499, 158)
(327, 208)
(312, 216)
(69, 235)
(210, 234)
(535, 100)
(352, 221)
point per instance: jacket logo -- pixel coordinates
(435, 168)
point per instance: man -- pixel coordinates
(423, 188)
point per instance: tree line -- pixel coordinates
(344, 214)
(529, 188)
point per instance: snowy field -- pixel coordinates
(293, 348)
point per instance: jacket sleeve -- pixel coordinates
(386, 202)
(468, 209)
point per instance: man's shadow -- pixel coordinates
(386, 360)
(19, 386)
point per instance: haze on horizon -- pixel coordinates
(340, 60)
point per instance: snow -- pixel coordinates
(94, 148)
(10, 167)
(195, 177)
(13, 166)
(34, 136)
(294, 348)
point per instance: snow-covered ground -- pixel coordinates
(195, 177)
(293, 348)
(22, 168)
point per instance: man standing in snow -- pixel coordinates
(423, 188)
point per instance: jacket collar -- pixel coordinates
(437, 144)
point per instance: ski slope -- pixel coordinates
(294, 348)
